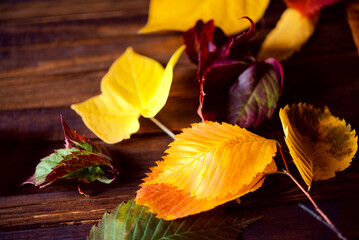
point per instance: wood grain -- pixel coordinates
(54, 54)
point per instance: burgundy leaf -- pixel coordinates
(80, 159)
(214, 96)
(71, 164)
(254, 96)
(220, 61)
(73, 139)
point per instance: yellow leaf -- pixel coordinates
(181, 15)
(291, 32)
(135, 85)
(319, 143)
(208, 165)
(352, 8)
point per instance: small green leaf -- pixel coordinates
(132, 221)
(73, 139)
(47, 164)
(71, 163)
(81, 159)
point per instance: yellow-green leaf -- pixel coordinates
(319, 143)
(208, 165)
(135, 85)
(181, 15)
(291, 32)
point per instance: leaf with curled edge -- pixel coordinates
(254, 96)
(180, 15)
(132, 221)
(74, 162)
(309, 7)
(319, 143)
(206, 166)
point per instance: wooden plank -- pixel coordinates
(55, 54)
(49, 11)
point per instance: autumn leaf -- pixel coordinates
(352, 8)
(289, 35)
(319, 143)
(309, 7)
(181, 15)
(208, 165)
(225, 69)
(81, 159)
(73, 139)
(254, 96)
(135, 85)
(131, 221)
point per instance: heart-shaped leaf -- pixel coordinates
(135, 85)
(319, 143)
(208, 165)
(131, 221)
(180, 15)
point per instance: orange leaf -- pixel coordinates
(319, 143)
(352, 8)
(208, 165)
(289, 35)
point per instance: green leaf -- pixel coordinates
(132, 221)
(71, 163)
(73, 139)
(81, 159)
(47, 164)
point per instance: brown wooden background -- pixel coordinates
(54, 53)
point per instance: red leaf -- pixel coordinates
(76, 161)
(309, 7)
(220, 61)
(73, 139)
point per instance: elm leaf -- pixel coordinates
(319, 143)
(254, 96)
(207, 165)
(132, 221)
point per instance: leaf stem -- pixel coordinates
(163, 127)
(285, 163)
(323, 217)
(82, 192)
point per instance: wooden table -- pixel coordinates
(54, 54)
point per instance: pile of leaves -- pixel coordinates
(210, 163)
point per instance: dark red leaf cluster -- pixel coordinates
(221, 61)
